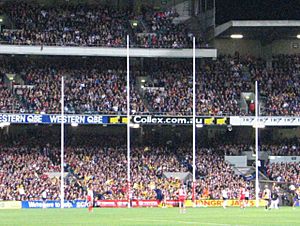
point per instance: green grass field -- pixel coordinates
(150, 216)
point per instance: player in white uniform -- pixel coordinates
(247, 196)
(90, 200)
(182, 197)
(225, 197)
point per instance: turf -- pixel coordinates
(150, 216)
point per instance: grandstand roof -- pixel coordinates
(260, 29)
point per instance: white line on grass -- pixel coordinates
(182, 222)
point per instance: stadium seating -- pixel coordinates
(101, 86)
(161, 32)
(37, 168)
(8, 102)
(284, 172)
(281, 86)
(91, 25)
(282, 150)
(67, 25)
(30, 163)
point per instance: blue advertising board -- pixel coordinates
(53, 119)
(54, 204)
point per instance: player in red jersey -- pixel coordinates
(182, 197)
(90, 199)
(242, 197)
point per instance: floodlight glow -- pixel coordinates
(135, 126)
(298, 36)
(134, 24)
(1, 20)
(74, 124)
(143, 80)
(236, 36)
(199, 125)
(4, 124)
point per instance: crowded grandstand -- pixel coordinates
(85, 122)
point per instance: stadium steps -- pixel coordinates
(262, 104)
(144, 25)
(140, 91)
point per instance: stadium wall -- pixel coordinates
(286, 133)
(291, 46)
(284, 159)
(104, 51)
(256, 48)
(115, 3)
(244, 47)
(237, 161)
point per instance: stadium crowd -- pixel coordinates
(99, 86)
(91, 25)
(23, 174)
(284, 172)
(281, 85)
(220, 85)
(28, 170)
(67, 25)
(8, 101)
(161, 32)
(282, 150)
(218, 175)
(90, 91)
(30, 164)
(169, 91)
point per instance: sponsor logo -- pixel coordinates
(54, 204)
(10, 205)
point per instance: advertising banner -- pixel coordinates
(265, 120)
(178, 120)
(54, 204)
(219, 203)
(134, 203)
(147, 120)
(10, 205)
(52, 119)
(122, 204)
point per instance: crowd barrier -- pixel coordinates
(122, 204)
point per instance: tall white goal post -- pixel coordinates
(128, 125)
(62, 190)
(194, 121)
(256, 145)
